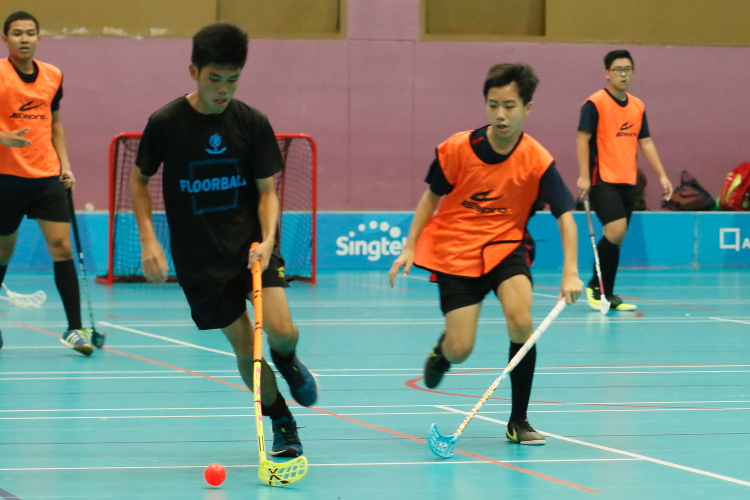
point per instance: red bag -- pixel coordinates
(735, 194)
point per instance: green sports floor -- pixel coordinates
(646, 405)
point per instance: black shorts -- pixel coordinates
(612, 202)
(460, 291)
(219, 305)
(46, 203)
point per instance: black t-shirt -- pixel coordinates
(552, 189)
(210, 195)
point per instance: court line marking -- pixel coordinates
(143, 377)
(431, 321)
(383, 429)
(439, 321)
(416, 370)
(62, 347)
(108, 372)
(360, 414)
(615, 450)
(215, 408)
(160, 337)
(353, 464)
(727, 320)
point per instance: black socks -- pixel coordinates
(66, 280)
(521, 379)
(280, 359)
(277, 409)
(2, 273)
(609, 260)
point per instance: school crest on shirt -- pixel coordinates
(215, 141)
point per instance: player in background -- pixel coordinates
(613, 124)
(34, 167)
(219, 158)
(486, 183)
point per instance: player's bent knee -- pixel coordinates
(457, 351)
(281, 328)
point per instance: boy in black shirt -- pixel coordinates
(220, 157)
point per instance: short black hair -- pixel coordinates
(501, 75)
(19, 16)
(220, 44)
(617, 54)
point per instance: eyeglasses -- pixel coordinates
(622, 71)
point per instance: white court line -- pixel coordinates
(160, 337)
(439, 321)
(731, 320)
(135, 409)
(381, 375)
(356, 464)
(370, 414)
(468, 405)
(414, 370)
(165, 377)
(615, 450)
(19, 347)
(110, 372)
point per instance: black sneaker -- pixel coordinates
(286, 442)
(616, 304)
(301, 382)
(435, 366)
(1, 339)
(521, 432)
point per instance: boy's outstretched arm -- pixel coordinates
(425, 208)
(571, 286)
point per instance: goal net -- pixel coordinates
(295, 186)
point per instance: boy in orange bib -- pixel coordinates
(612, 126)
(490, 180)
(35, 171)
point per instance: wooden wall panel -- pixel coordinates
(662, 22)
(285, 18)
(131, 18)
(484, 17)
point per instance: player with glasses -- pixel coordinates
(612, 126)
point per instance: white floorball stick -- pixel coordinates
(443, 446)
(604, 303)
(35, 299)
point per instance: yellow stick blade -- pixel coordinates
(284, 473)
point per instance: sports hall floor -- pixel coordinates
(646, 405)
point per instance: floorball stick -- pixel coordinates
(603, 302)
(443, 446)
(270, 473)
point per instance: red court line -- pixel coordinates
(396, 433)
